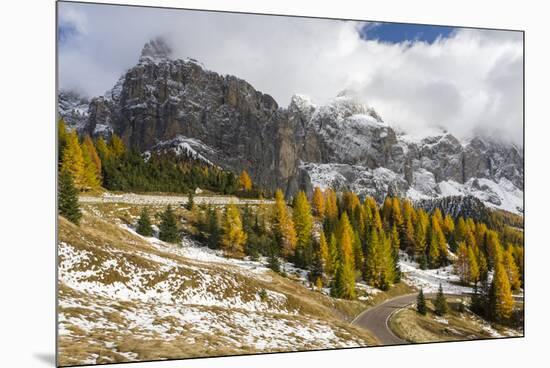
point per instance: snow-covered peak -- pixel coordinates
(301, 102)
(345, 105)
(156, 50)
(422, 136)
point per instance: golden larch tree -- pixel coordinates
(73, 162)
(245, 183)
(511, 269)
(318, 203)
(283, 226)
(234, 237)
(504, 301)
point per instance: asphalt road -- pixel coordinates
(376, 319)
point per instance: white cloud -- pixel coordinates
(468, 83)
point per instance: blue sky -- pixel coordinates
(401, 32)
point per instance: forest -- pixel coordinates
(338, 238)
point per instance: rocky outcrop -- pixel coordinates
(343, 143)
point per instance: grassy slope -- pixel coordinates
(100, 326)
(454, 326)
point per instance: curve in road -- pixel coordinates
(376, 319)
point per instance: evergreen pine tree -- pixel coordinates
(317, 269)
(168, 228)
(423, 262)
(144, 223)
(421, 303)
(68, 198)
(273, 261)
(190, 200)
(213, 228)
(440, 303)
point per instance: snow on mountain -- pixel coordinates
(188, 147)
(503, 195)
(73, 108)
(302, 103)
(343, 143)
(381, 181)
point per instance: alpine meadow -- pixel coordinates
(201, 217)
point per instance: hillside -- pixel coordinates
(123, 297)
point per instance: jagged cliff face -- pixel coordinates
(343, 144)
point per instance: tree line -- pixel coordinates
(96, 163)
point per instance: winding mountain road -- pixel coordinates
(376, 319)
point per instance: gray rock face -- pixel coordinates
(343, 143)
(73, 108)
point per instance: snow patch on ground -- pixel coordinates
(429, 280)
(181, 292)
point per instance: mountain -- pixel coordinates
(163, 101)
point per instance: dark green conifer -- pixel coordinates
(440, 303)
(421, 303)
(68, 198)
(190, 200)
(213, 228)
(168, 229)
(144, 224)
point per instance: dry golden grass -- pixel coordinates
(413, 327)
(101, 235)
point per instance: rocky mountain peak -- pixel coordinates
(156, 50)
(165, 102)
